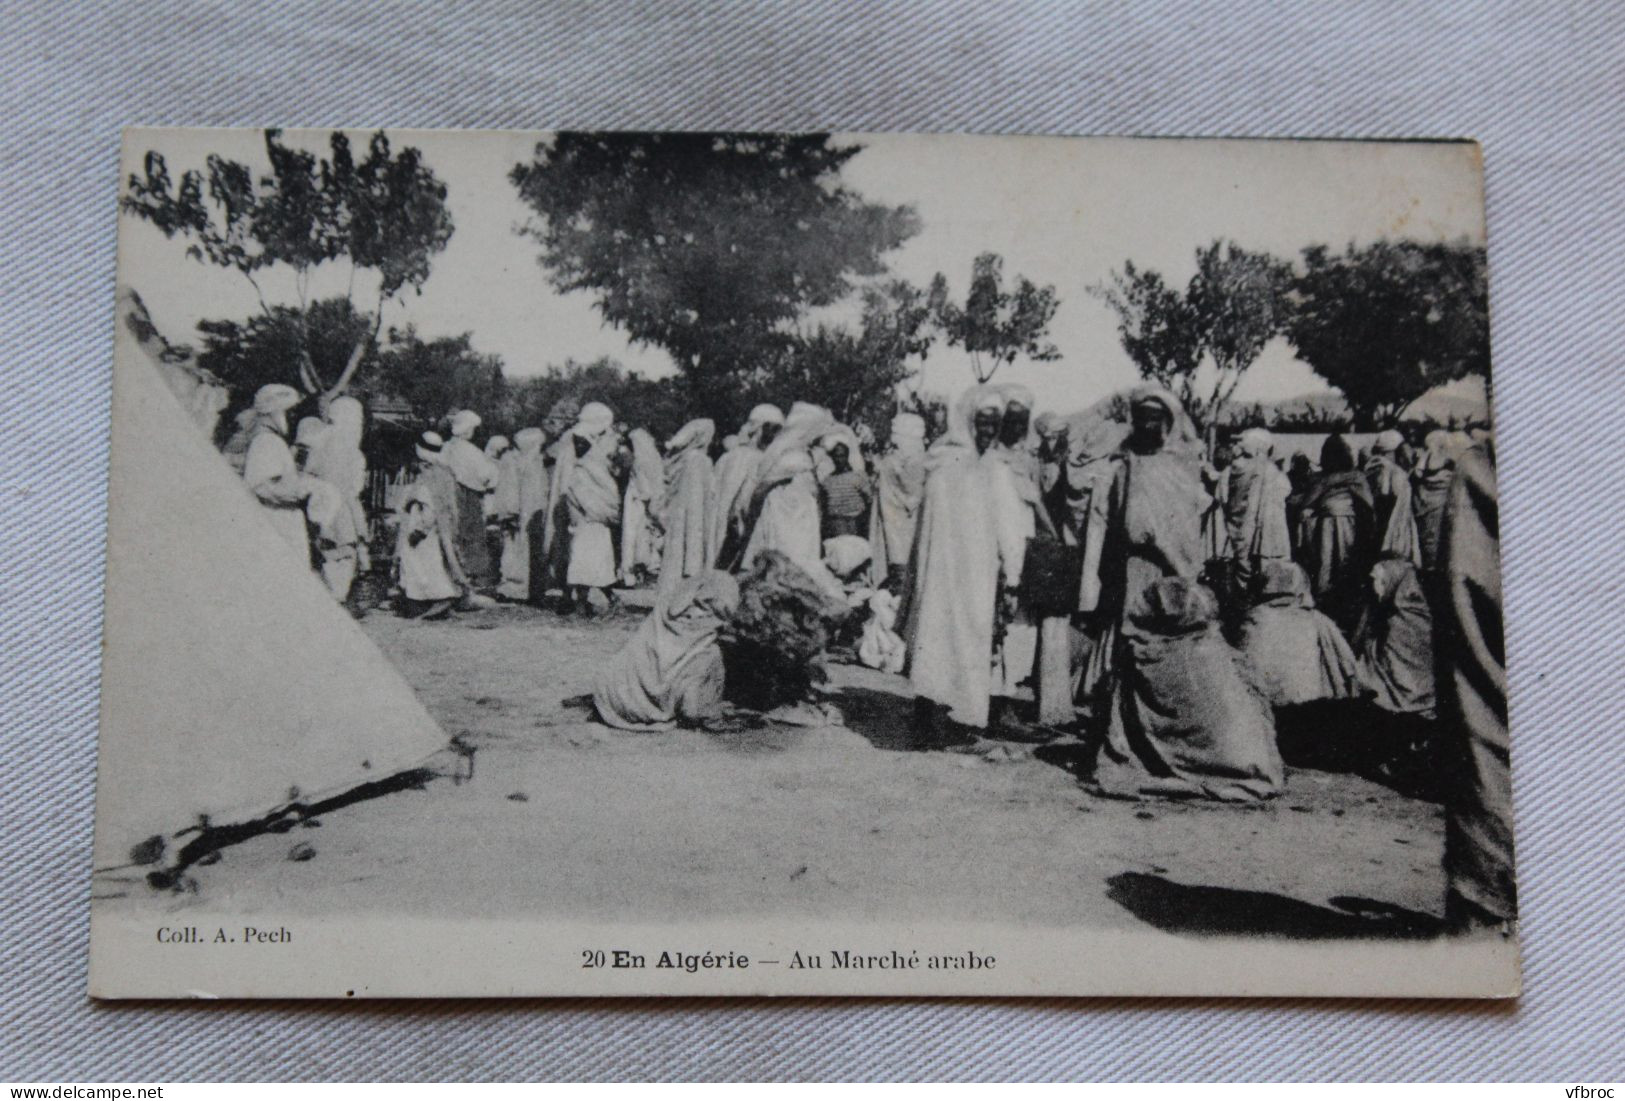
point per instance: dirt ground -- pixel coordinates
(565, 816)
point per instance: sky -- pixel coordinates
(1061, 211)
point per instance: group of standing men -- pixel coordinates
(586, 503)
(1173, 606)
(1191, 604)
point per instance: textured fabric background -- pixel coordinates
(1541, 84)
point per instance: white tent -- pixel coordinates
(232, 683)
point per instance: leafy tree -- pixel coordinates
(1156, 326)
(705, 245)
(1231, 308)
(994, 325)
(435, 377)
(659, 405)
(270, 347)
(1388, 322)
(855, 374)
(385, 215)
(1238, 299)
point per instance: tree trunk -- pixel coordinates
(357, 354)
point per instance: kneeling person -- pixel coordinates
(671, 671)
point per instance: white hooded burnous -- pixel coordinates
(972, 532)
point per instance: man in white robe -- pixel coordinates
(684, 513)
(645, 488)
(269, 469)
(337, 460)
(553, 553)
(593, 500)
(522, 536)
(1014, 447)
(476, 476)
(734, 475)
(968, 555)
(899, 486)
(785, 496)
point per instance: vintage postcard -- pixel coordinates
(745, 563)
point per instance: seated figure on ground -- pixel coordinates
(671, 671)
(1296, 653)
(1185, 720)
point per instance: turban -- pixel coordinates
(429, 445)
(1017, 394)
(1256, 442)
(695, 434)
(1387, 442)
(595, 419)
(1157, 396)
(1049, 425)
(526, 437)
(766, 414)
(463, 422)
(495, 446)
(275, 398)
(986, 398)
(730, 442)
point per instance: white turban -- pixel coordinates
(765, 414)
(595, 419)
(429, 445)
(1387, 442)
(1256, 442)
(463, 422)
(275, 398)
(1017, 394)
(987, 398)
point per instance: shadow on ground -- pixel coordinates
(1225, 911)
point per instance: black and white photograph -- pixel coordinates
(701, 563)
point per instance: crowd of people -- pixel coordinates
(1174, 605)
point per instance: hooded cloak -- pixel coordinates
(1395, 517)
(640, 539)
(971, 535)
(593, 498)
(1186, 721)
(1473, 748)
(270, 472)
(685, 510)
(671, 669)
(1297, 655)
(784, 512)
(899, 486)
(1396, 640)
(1431, 484)
(735, 474)
(529, 479)
(1255, 510)
(1337, 543)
